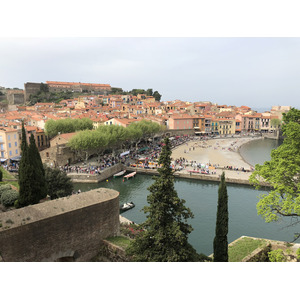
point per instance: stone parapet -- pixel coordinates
(66, 229)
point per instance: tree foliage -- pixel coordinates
(143, 129)
(165, 235)
(44, 95)
(8, 197)
(31, 173)
(113, 137)
(53, 128)
(220, 240)
(282, 173)
(157, 96)
(58, 183)
(135, 92)
(89, 142)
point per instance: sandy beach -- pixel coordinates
(216, 152)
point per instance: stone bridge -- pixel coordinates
(66, 229)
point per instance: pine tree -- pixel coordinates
(165, 235)
(220, 240)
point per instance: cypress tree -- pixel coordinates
(24, 173)
(39, 187)
(31, 173)
(165, 235)
(220, 240)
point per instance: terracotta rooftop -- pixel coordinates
(76, 83)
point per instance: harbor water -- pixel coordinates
(201, 197)
(258, 151)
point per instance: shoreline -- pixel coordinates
(206, 150)
(239, 152)
(220, 152)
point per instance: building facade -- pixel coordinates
(9, 143)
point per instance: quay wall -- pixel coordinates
(89, 178)
(214, 178)
(67, 229)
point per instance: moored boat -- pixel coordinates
(126, 206)
(130, 175)
(120, 173)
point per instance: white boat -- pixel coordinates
(120, 173)
(130, 175)
(126, 206)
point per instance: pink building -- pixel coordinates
(181, 122)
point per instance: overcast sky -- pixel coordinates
(259, 72)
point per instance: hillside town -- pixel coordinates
(104, 108)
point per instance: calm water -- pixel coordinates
(258, 151)
(201, 198)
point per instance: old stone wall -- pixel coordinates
(111, 253)
(66, 229)
(58, 155)
(31, 88)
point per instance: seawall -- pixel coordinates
(109, 172)
(213, 178)
(92, 178)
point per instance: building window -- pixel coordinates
(2, 154)
(8, 137)
(16, 151)
(10, 153)
(9, 145)
(16, 144)
(15, 136)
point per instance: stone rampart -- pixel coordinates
(66, 229)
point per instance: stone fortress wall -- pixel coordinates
(65, 229)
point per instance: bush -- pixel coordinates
(4, 187)
(276, 256)
(9, 197)
(1, 175)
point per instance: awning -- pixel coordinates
(143, 149)
(125, 153)
(3, 159)
(16, 158)
(171, 138)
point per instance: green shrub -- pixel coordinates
(16, 204)
(3, 188)
(276, 256)
(9, 197)
(298, 254)
(1, 175)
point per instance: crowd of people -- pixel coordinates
(146, 156)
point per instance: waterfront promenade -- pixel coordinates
(217, 155)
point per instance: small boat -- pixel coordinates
(130, 175)
(120, 173)
(126, 206)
